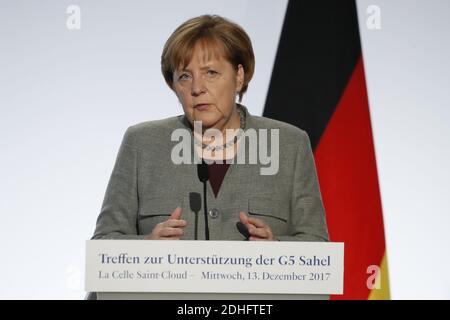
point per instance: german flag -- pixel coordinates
(318, 84)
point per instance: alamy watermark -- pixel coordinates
(73, 21)
(373, 21)
(374, 280)
(260, 151)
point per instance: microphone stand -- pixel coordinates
(195, 202)
(203, 176)
(206, 211)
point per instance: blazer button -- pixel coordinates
(213, 213)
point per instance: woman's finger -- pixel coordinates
(243, 217)
(171, 232)
(176, 214)
(257, 222)
(258, 232)
(257, 239)
(172, 223)
(169, 238)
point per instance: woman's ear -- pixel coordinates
(240, 76)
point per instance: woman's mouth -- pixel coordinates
(201, 106)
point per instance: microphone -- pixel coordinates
(202, 171)
(243, 230)
(203, 176)
(195, 202)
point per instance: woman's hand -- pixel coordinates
(257, 228)
(171, 229)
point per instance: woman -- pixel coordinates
(208, 62)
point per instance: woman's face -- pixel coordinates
(207, 89)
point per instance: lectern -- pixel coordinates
(208, 270)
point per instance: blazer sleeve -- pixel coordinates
(118, 214)
(307, 217)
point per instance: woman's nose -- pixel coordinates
(197, 86)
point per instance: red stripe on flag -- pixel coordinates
(346, 166)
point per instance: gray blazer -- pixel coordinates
(146, 186)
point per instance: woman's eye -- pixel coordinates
(212, 72)
(183, 76)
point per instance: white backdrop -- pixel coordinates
(408, 77)
(67, 97)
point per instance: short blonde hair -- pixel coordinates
(214, 32)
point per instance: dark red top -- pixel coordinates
(217, 172)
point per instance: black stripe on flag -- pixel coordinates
(318, 50)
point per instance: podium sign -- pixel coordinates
(214, 267)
